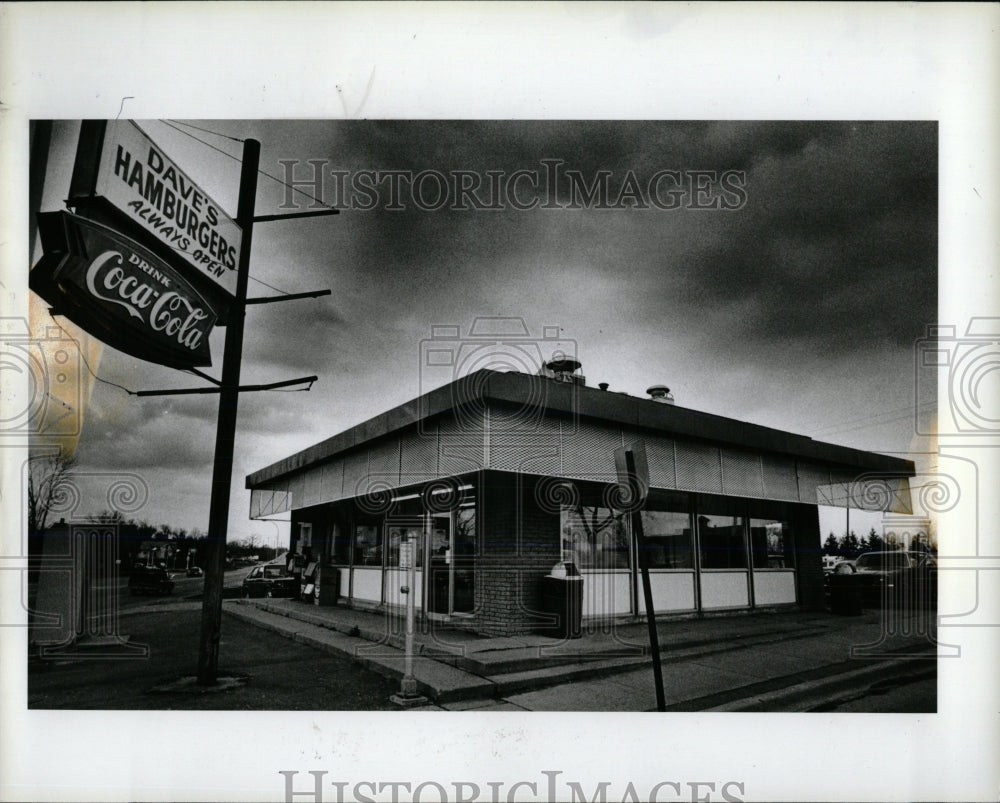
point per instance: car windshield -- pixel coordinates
(882, 561)
(274, 571)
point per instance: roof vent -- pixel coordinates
(660, 393)
(563, 369)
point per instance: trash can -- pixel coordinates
(845, 595)
(562, 596)
(327, 585)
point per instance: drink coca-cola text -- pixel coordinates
(143, 292)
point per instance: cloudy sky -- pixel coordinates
(799, 309)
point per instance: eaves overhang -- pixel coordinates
(566, 400)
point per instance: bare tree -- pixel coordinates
(599, 534)
(49, 482)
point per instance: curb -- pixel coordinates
(439, 682)
(526, 659)
(839, 686)
(445, 678)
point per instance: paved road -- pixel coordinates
(912, 691)
(184, 588)
(915, 695)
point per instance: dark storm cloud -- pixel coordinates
(291, 335)
(584, 144)
(837, 242)
(149, 433)
(826, 274)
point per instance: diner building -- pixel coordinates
(488, 482)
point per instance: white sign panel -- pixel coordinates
(405, 555)
(139, 179)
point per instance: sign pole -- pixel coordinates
(409, 695)
(222, 470)
(647, 593)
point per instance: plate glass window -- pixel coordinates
(668, 539)
(723, 541)
(594, 537)
(771, 544)
(367, 544)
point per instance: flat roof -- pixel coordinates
(564, 398)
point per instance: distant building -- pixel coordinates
(902, 531)
(496, 477)
(156, 553)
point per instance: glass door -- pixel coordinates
(451, 579)
(463, 560)
(439, 564)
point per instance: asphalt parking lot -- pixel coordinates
(279, 674)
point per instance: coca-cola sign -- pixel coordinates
(121, 293)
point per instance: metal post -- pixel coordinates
(408, 696)
(647, 593)
(409, 686)
(222, 470)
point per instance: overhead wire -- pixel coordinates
(238, 159)
(180, 250)
(101, 379)
(199, 139)
(271, 286)
(293, 188)
(867, 421)
(174, 123)
(206, 130)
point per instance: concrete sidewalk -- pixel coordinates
(773, 661)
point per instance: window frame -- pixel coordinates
(787, 553)
(615, 519)
(735, 514)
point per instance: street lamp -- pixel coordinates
(277, 534)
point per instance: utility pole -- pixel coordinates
(229, 394)
(83, 189)
(229, 390)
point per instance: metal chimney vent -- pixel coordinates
(563, 369)
(660, 393)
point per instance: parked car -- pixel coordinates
(150, 580)
(844, 566)
(834, 563)
(901, 577)
(195, 571)
(270, 580)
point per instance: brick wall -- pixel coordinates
(520, 544)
